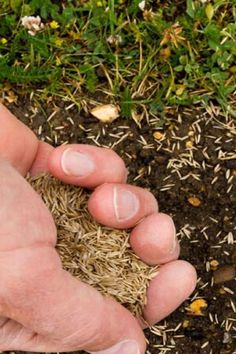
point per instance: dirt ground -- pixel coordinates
(188, 161)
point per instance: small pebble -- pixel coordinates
(224, 273)
(226, 338)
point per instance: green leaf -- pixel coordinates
(179, 68)
(191, 8)
(26, 10)
(90, 76)
(31, 76)
(188, 68)
(225, 60)
(67, 15)
(126, 103)
(217, 76)
(133, 7)
(224, 91)
(15, 5)
(214, 45)
(44, 12)
(213, 35)
(183, 59)
(209, 11)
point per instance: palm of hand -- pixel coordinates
(29, 265)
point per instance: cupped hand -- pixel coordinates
(42, 307)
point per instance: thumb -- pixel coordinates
(65, 313)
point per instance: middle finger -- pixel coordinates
(121, 205)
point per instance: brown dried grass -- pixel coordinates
(98, 255)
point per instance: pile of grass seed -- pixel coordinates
(98, 255)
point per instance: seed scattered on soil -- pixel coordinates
(97, 255)
(224, 273)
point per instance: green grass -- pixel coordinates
(173, 53)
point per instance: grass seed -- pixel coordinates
(98, 255)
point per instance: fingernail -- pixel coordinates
(126, 175)
(175, 240)
(126, 204)
(174, 245)
(75, 163)
(125, 347)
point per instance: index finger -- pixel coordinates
(18, 144)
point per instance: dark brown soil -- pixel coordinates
(196, 158)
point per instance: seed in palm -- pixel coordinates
(98, 255)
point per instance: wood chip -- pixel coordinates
(194, 201)
(224, 273)
(106, 113)
(214, 264)
(158, 135)
(189, 144)
(196, 307)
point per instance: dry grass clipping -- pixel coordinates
(98, 255)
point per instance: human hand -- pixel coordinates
(42, 307)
